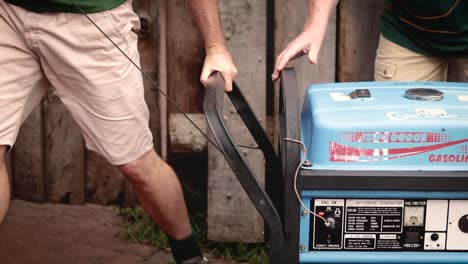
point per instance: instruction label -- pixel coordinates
(359, 241)
(374, 216)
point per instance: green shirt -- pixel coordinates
(88, 6)
(433, 27)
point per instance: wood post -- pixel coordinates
(358, 35)
(64, 154)
(231, 215)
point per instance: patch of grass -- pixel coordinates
(239, 252)
(141, 229)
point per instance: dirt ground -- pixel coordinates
(49, 234)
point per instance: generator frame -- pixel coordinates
(277, 203)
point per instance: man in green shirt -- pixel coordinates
(49, 43)
(418, 37)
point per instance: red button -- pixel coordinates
(321, 213)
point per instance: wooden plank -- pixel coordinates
(231, 215)
(104, 182)
(359, 29)
(182, 135)
(289, 26)
(29, 181)
(185, 56)
(64, 154)
(163, 78)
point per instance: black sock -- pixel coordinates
(184, 249)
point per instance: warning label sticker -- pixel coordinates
(359, 241)
(374, 216)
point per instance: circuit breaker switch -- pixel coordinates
(331, 222)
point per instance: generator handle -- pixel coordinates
(290, 128)
(213, 107)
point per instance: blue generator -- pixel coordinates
(369, 172)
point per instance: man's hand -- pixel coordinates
(305, 43)
(205, 13)
(219, 59)
(310, 40)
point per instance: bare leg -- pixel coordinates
(4, 185)
(159, 193)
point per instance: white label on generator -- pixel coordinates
(359, 241)
(436, 215)
(388, 236)
(329, 202)
(372, 203)
(339, 97)
(430, 111)
(463, 98)
(456, 238)
(374, 216)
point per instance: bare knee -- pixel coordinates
(141, 170)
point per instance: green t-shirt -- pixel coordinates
(433, 27)
(88, 6)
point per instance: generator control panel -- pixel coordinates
(389, 225)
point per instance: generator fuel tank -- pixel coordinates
(381, 125)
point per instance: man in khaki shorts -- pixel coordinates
(418, 38)
(49, 43)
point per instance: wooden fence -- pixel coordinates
(50, 163)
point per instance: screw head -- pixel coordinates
(303, 247)
(304, 213)
(307, 163)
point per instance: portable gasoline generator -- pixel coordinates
(371, 172)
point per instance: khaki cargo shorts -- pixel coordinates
(66, 53)
(396, 63)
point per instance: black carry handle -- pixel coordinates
(290, 128)
(213, 107)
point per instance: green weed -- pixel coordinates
(141, 229)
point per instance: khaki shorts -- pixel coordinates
(99, 86)
(396, 63)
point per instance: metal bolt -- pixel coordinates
(303, 248)
(304, 213)
(307, 163)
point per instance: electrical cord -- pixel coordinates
(296, 175)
